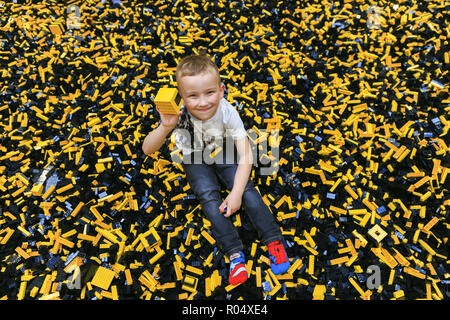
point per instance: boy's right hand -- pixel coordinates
(169, 121)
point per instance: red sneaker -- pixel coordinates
(238, 271)
(278, 257)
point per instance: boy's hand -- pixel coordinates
(169, 121)
(232, 203)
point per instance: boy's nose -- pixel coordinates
(203, 102)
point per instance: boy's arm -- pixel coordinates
(155, 139)
(244, 165)
(234, 200)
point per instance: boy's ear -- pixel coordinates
(222, 90)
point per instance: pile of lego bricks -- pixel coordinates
(362, 175)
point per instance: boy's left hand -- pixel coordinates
(233, 202)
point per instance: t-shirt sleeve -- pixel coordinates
(233, 123)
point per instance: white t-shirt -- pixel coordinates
(212, 133)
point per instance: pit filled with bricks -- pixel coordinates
(362, 115)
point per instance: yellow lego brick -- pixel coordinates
(108, 235)
(208, 237)
(414, 272)
(51, 296)
(65, 188)
(377, 233)
(311, 265)
(194, 270)
(258, 276)
(431, 223)
(156, 257)
(425, 246)
(128, 277)
(296, 265)
(189, 237)
(37, 190)
(339, 260)
(168, 100)
(362, 240)
(178, 271)
(9, 233)
(351, 192)
(189, 283)
(103, 278)
(319, 292)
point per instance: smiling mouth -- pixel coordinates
(203, 110)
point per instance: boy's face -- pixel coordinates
(201, 94)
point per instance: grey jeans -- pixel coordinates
(205, 180)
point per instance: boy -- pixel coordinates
(209, 118)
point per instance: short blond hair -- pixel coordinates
(196, 64)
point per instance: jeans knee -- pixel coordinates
(251, 196)
(207, 195)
